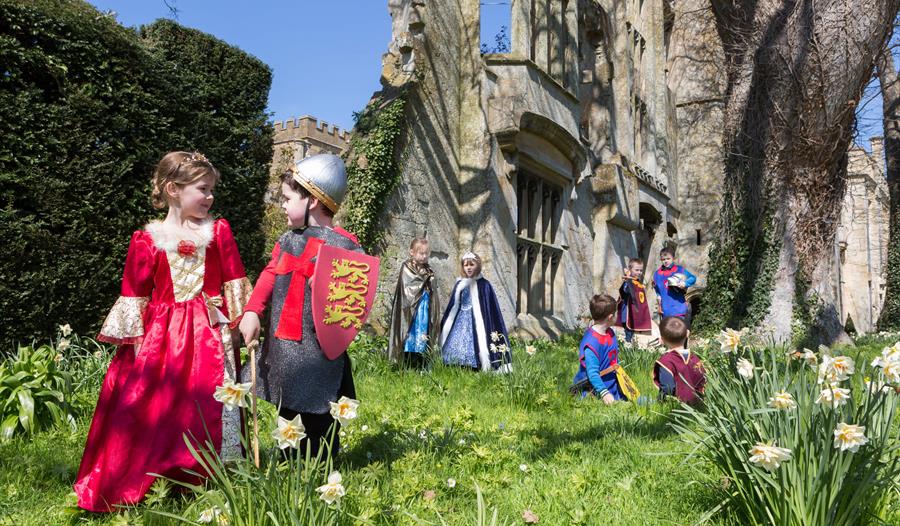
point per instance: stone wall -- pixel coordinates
(555, 162)
(862, 237)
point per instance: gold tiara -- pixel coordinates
(196, 157)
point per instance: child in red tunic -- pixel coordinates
(678, 372)
(183, 291)
(633, 309)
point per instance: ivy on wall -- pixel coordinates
(373, 168)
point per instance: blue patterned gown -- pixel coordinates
(459, 349)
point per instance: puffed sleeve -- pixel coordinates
(236, 287)
(125, 322)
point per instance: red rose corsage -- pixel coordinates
(187, 248)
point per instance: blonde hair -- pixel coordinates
(181, 168)
(417, 242)
(476, 259)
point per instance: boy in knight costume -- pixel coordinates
(678, 372)
(415, 317)
(294, 373)
(633, 309)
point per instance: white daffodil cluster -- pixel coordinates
(889, 362)
(848, 437)
(498, 343)
(213, 515)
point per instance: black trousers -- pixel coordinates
(318, 431)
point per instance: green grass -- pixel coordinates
(585, 463)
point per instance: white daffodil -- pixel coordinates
(809, 357)
(423, 338)
(782, 400)
(344, 410)
(730, 340)
(334, 490)
(496, 336)
(836, 396)
(63, 344)
(889, 361)
(769, 456)
(849, 437)
(209, 515)
(523, 468)
(232, 394)
(876, 387)
(364, 428)
(65, 330)
(530, 350)
(451, 483)
(835, 369)
(745, 368)
(289, 433)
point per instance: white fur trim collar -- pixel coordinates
(166, 237)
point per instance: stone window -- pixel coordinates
(538, 250)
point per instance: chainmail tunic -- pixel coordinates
(296, 374)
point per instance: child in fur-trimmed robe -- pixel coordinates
(415, 314)
(472, 331)
(678, 372)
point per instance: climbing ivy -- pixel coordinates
(742, 272)
(373, 168)
(889, 320)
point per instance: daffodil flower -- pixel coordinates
(289, 433)
(769, 456)
(232, 394)
(849, 437)
(334, 490)
(836, 396)
(65, 330)
(344, 410)
(730, 340)
(782, 400)
(745, 369)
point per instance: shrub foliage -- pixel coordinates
(87, 107)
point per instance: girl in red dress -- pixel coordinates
(183, 291)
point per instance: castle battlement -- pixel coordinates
(310, 126)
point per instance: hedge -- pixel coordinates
(87, 107)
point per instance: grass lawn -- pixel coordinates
(521, 438)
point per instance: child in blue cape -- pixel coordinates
(473, 333)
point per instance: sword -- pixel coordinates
(254, 440)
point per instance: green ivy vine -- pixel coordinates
(373, 168)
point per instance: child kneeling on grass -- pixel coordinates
(678, 372)
(598, 354)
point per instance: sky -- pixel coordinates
(326, 54)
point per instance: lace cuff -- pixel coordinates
(125, 322)
(237, 295)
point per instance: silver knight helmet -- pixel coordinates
(323, 176)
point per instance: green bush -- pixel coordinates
(34, 391)
(87, 107)
(783, 403)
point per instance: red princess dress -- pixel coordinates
(180, 300)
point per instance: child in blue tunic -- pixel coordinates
(415, 311)
(671, 281)
(598, 354)
(472, 332)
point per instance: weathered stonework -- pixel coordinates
(862, 238)
(556, 162)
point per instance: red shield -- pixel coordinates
(344, 284)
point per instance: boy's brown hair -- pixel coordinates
(288, 178)
(634, 261)
(601, 306)
(673, 330)
(667, 250)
